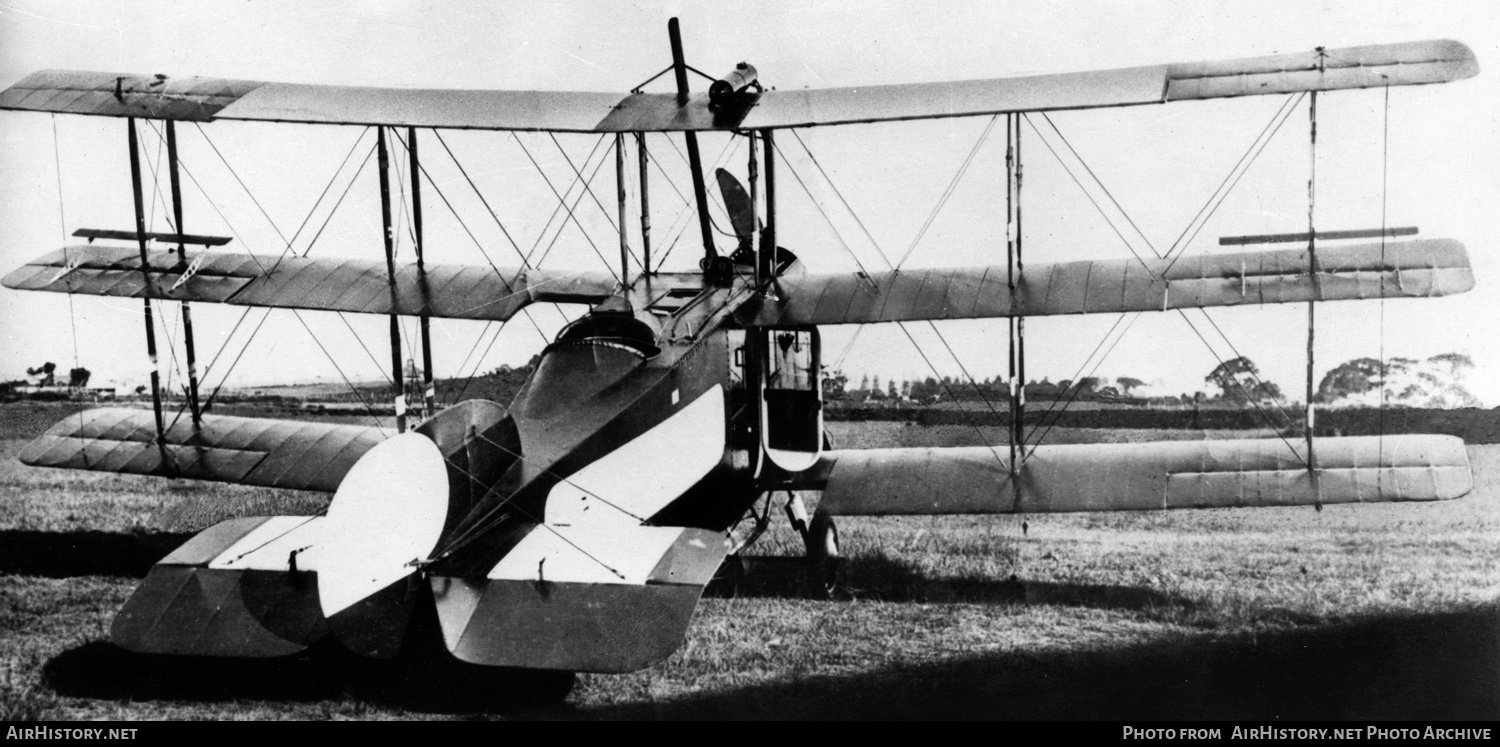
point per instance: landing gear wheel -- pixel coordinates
(823, 558)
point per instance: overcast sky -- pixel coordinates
(1161, 162)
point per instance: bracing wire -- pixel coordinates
(948, 191)
(571, 215)
(1211, 206)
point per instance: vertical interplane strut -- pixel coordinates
(388, 233)
(140, 236)
(429, 386)
(187, 313)
(1018, 323)
(620, 191)
(640, 149)
(767, 253)
(1312, 271)
(754, 176)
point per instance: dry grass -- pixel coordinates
(1385, 611)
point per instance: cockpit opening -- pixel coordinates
(610, 329)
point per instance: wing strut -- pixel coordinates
(1312, 270)
(767, 255)
(429, 389)
(140, 237)
(398, 377)
(187, 312)
(620, 192)
(1018, 323)
(640, 149)
(695, 164)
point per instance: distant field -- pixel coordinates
(1360, 612)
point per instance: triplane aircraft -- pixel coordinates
(575, 529)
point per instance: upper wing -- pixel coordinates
(1432, 267)
(1143, 476)
(247, 451)
(1410, 63)
(206, 99)
(334, 284)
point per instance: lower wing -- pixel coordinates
(222, 448)
(1143, 476)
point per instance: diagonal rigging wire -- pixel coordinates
(947, 192)
(1090, 196)
(475, 187)
(683, 219)
(558, 208)
(465, 226)
(174, 368)
(329, 219)
(814, 200)
(62, 222)
(267, 313)
(1258, 382)
(953, 183)
(1182, 247)
(484, 523)
(378, 365)
(714, 199)
(571, 214)
(336, 367)
(289, 244)
(1252, 153)
(477, 361)
(902, 325)
(839, 194)
(1034, 439)
(1097, 180)
(1215, 200)
(1252, 399)
(587, 188)
(1211, 206)
(941, 381)
(569, 209)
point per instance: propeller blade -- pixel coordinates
(737, 200)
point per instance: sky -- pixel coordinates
(869, 189)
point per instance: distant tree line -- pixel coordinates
(1435, 382)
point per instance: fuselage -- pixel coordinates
(646, 410)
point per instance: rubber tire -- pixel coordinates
(823, 555)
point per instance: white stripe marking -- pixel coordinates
(641, 477)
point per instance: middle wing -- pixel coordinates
(332, 284)
(1431, 267)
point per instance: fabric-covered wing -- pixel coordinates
(1410, 63)
(1144, 476)
(247, 451)
(1431, 267)
(206, 99)
(332, 284)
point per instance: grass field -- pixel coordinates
(1368, 612)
